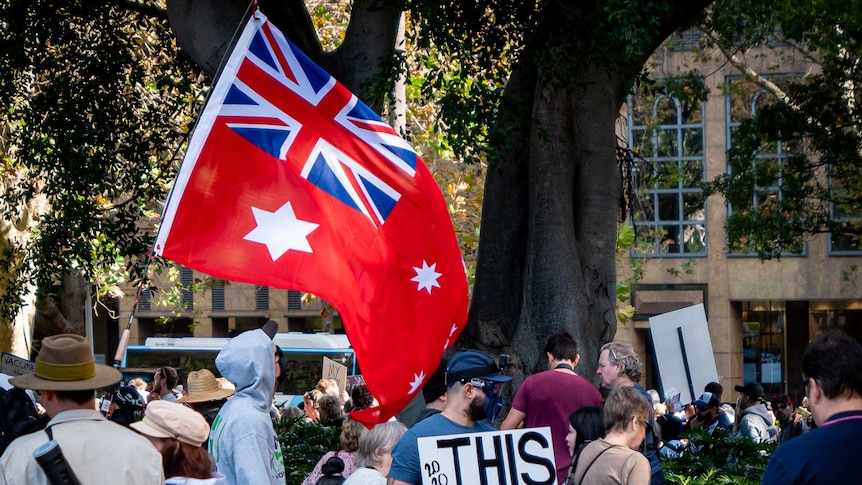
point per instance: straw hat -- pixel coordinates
(65, 363)
(165, 419)
(203, 386)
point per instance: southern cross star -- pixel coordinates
(417, 382)
(426, 277)
(281, 231)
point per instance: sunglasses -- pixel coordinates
(488, 387)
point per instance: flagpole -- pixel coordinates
(124, 340)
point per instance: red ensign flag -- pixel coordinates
(290, 181)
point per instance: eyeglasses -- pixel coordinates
(645, 424)
(487, 386)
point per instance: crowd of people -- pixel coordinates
(220, 430)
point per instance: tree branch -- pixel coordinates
(808, 55)
(291, 16)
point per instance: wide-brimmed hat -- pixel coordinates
(66, 363)
(165, 419)
(203, 386)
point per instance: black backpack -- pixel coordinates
(18, 416)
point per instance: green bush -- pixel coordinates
(719, 459)
(303, 444)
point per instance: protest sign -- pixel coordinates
(16, 366)
(334, 370)
(515, 457)
(683, 351)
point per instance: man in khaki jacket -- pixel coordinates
(97, 450)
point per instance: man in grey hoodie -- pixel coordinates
(755, 420)
(242, 439)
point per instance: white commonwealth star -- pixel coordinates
(451, 332)
(426, 276)
(281, 231)
(417, 382)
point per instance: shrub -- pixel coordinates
(720, 458)
(303, 444)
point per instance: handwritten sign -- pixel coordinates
(334, 370)
(16, 366)
(516, 457)
(356, 380)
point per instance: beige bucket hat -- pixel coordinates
(66, 363)
(165, 419)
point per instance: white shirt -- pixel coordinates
(365, 476)
(97, 450)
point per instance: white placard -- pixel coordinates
(16, 366)
(335, 370)
(516, 457)
(666, 328)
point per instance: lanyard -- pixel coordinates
(841, 420)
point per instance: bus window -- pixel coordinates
(304, 353)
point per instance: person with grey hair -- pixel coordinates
(619, 366)
(374, 457)
(613, 459)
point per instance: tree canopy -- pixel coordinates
(794, 168)
(100, 100)
(97, 103)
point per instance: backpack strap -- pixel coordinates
(577, 455)
(49, 432)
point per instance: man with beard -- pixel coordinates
(709, 414)
(471, 380)
(791, 424)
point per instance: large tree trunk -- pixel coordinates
(546, 257)
(549, 218)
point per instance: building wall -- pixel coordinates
(804, 290)
(243, 310)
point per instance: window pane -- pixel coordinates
(642, 142)
(670, 239)
(694, 238)
(641, 111)
(693, 206)
(645, 241)
(643, 210)
(692, 173)
(666, 175)
(668, 207)
(667, 143)
(666, 112)
(692, 142)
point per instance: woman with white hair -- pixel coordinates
(375, 454)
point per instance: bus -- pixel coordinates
(304, 352)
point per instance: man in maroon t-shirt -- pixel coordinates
(548, 398)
